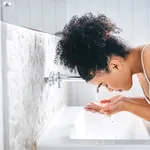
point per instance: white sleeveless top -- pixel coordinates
(146, 123)
(148, 81)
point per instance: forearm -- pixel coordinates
(138, 100)
(139, 110)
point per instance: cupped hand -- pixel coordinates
(107, 106)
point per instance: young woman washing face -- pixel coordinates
(89, 46)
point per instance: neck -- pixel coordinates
(134, 60)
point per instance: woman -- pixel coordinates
(88, 45)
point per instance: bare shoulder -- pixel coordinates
(146, 60)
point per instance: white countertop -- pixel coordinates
(72, 126)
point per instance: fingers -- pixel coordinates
(107, 106)
(105, 101)
(108, 111)
(96, 111)
(91, 110)
(93, 107)
(101, 111)
(96, 106)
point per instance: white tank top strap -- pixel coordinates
(145, 72)
(143, 64)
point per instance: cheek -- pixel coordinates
(111, 81)
(115, 81)
(120, 81)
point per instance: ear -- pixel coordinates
(115, 64)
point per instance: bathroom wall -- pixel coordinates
(29, 103)
(51, 14)
(1, 97)
(54, 14)
(1, 92)
(130, 15)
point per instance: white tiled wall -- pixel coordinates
(51, 14)
(30, 103)
(131, 15)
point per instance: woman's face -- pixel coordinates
(118, 79)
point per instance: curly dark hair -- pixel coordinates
(86, 44)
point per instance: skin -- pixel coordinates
(120, 79)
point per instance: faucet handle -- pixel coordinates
(46, 79)
(58, 79)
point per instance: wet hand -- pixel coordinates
(108, 106)
(95, 107)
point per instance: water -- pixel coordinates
(111, 118)
(106, 117)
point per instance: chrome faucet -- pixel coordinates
(58, 77)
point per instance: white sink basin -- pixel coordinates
(123, 125)
(73, 127)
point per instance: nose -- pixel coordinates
(109, 89)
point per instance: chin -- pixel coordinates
(129, 86)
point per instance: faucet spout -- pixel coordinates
(58, 77)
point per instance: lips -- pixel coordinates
(120, 90)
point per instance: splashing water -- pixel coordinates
(110, 118)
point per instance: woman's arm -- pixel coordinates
(120, 103)
(142, 111)
(138, 100)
